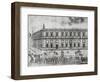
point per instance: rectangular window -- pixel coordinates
(51, 34)
(66, 34)
(83, 34)
(66, 44)
(56, 33)
(70, 44)
(51, 45)
(62, 45)
(62, 34)
(74, 33)
(74, 44)
(70, 33)
(79, 34)
(83, 45)
(47, 34)
(78, 44)
(47, 45)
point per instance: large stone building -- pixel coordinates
(58, 39)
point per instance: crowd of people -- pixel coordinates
(56, 58)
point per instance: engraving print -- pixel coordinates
(57, 40)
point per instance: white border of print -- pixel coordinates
(25, 70)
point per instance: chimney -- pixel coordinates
(43, 26)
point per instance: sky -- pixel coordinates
(35, 22)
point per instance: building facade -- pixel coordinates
(58, 39)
